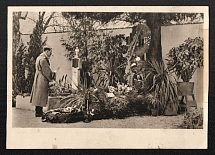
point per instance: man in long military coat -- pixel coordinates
(43, 75)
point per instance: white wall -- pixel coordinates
(173, 36)
(58, 59)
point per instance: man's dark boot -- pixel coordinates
(39, 111)
(38, 115)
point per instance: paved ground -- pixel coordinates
(26, 119)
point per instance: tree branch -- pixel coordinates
(43, 14)
(47, 22)
(31, 19)
(24, 16)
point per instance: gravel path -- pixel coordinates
(26, 119)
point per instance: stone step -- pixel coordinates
(23, 102)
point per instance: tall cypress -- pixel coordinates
(34, 50)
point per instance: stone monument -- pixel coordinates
(76, 66)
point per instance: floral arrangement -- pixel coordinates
(121, 89)
(186, 58)
(60, 87)
(111, 89)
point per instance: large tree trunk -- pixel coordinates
(154, 23)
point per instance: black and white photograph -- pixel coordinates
(107, 77)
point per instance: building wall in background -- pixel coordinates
(171, 36)
(58, 58)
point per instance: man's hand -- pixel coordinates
(52, 83)
(54, 76)
(56, 69)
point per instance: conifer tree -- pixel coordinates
(17, 52)
(35, 48)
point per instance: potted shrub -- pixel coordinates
(184, 60)
(159, 83)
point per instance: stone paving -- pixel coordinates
(26, 119)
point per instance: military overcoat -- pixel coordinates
(43, 75)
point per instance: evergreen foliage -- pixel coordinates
(19, 71)
(34, 50)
